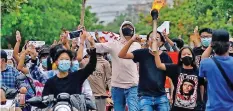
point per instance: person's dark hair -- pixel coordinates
(220, 41)
(4, 55)
(69, 52)
(179, 42)
(161, 36)
(208, 30)
(191, 91)
(180, 63)
(51, 58)
(44, 51)
(220, 48)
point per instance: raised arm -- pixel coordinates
(207, 52)
(81, 46)
(155, 52)
(90, 67)
(20, 66)
(16, 48)
(124, 51)
(170, 42)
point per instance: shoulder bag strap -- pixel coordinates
(223, 73)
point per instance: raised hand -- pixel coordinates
(196, 30)
(18, 36)
(80, 27)
(83, 35)
(65, 37)
(136, 38)
(91, 40)
(165, 34)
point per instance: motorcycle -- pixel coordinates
(63, 102)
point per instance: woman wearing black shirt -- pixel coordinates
(66, 82)
(184, 75)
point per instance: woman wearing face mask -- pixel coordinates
(75, 63)
(184, 75)
(65, 81)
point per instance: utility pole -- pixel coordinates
(82, 13)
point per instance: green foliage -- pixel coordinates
(44, 19)
(10, 5)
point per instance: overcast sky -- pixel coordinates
(106, 10)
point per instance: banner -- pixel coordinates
(9, 53)
(37, 43)
(105, 36)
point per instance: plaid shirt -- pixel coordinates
(37, 74)
(9, 77)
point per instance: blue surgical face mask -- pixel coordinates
(44, 62)
(75, 66)
(205, 41)
(64, 65)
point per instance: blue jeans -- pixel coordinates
(121, 97)
(147, 103)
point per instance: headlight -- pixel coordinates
(62, 108)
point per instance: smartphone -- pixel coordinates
(74, 34)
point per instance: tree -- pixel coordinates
(44, 19)
(11, 5)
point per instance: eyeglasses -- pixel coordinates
(231, 44)
(206, 36)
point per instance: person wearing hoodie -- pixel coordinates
(124, 80)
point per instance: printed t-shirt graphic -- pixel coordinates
(186, 93)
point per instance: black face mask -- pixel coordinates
(127, 32)
(187, 60)
(231, 54)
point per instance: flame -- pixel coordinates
(158, 4)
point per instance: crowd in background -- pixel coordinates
(127, 74)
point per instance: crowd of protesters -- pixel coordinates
(126, 74)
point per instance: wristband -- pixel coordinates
(155, 51)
